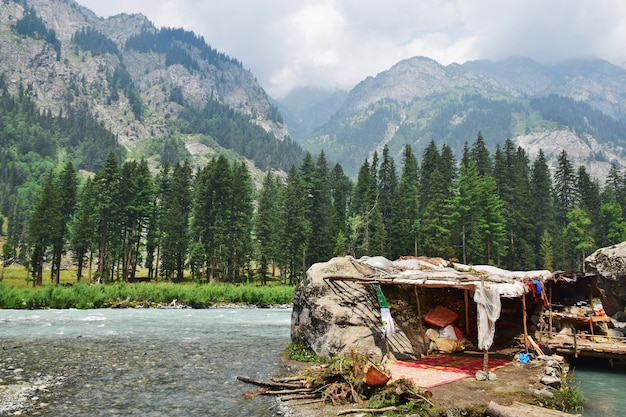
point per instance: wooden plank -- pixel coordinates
(523, 410)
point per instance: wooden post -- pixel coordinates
(467, 328)
(525, 327)
(419, 308)
(550, 318)
(486, 362)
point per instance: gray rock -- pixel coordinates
(551, 381)
(610, 265)
(335, 316)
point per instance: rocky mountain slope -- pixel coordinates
(134, 88)
(579, 106)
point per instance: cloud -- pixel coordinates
(337, 43)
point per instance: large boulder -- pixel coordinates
(610, 265)
(334, 316)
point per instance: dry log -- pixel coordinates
(523, 410)
(288, 391)
(295, 378)
(299, 397)
(366, 410)
(269, 384)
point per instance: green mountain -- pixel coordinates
(579, 106)
(162, 94)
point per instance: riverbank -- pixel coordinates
(516, 382)
(121, 295)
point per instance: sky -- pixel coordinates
(334, 44)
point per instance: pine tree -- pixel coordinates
(387, 184)
(66, 188)
(266, 225)
(107, 184)
(84, 239)
(321, 240)
(43, 226)
(296, 226)
(239, 223)
(174, 231)
(542, 206)
(405, 209)
(480, 155)
(341, 192)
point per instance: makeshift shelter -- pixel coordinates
(486, 285)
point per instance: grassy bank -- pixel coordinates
(15, 293)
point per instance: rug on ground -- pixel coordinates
(440, 369)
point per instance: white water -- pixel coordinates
(149, 362)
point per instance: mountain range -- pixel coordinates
(165, 91)
(579, 106)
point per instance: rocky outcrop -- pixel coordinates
(610, 265)
(335, 316)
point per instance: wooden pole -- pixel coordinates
(525, 327)
(550, 318)
(419, 307)
(467, 328)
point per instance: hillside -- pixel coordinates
(145, 85)
(579, 106)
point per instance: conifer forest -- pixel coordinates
(479, 206)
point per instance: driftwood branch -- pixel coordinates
(288, 391)
(366, 410)
(300, 397)
(269, 384)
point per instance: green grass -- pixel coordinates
(17, 293)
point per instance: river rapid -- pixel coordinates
(139, 362)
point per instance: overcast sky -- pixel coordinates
(337, 43)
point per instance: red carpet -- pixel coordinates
(440, 369)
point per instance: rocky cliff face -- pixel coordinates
(418, 100)
(79, 78)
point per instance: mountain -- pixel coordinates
(579, 106)
(163, 93)
(305, 109)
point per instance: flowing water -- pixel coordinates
(176, 362)
(603, 388)
(143, 362)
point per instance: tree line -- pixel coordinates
(501, 209)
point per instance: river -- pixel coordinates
(177, 362)
(143, 362)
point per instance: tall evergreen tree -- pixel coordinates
(387, 184)
(480, 155)
(66, 187)
(405, 209)
(341, 192)
(107, 184)
(84, 239)
(321, 240)
(239, 223)
(542, 206)
(296, 226)
(43, 226)
(174, 231)
(266, 225)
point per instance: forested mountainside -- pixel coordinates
(578, 105)
(136, 81)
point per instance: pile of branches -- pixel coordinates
(343, 381)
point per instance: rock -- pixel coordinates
(551, 381)
(336, 316)
(610, 265)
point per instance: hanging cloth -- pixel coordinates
(385, 313)
(488, 302)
